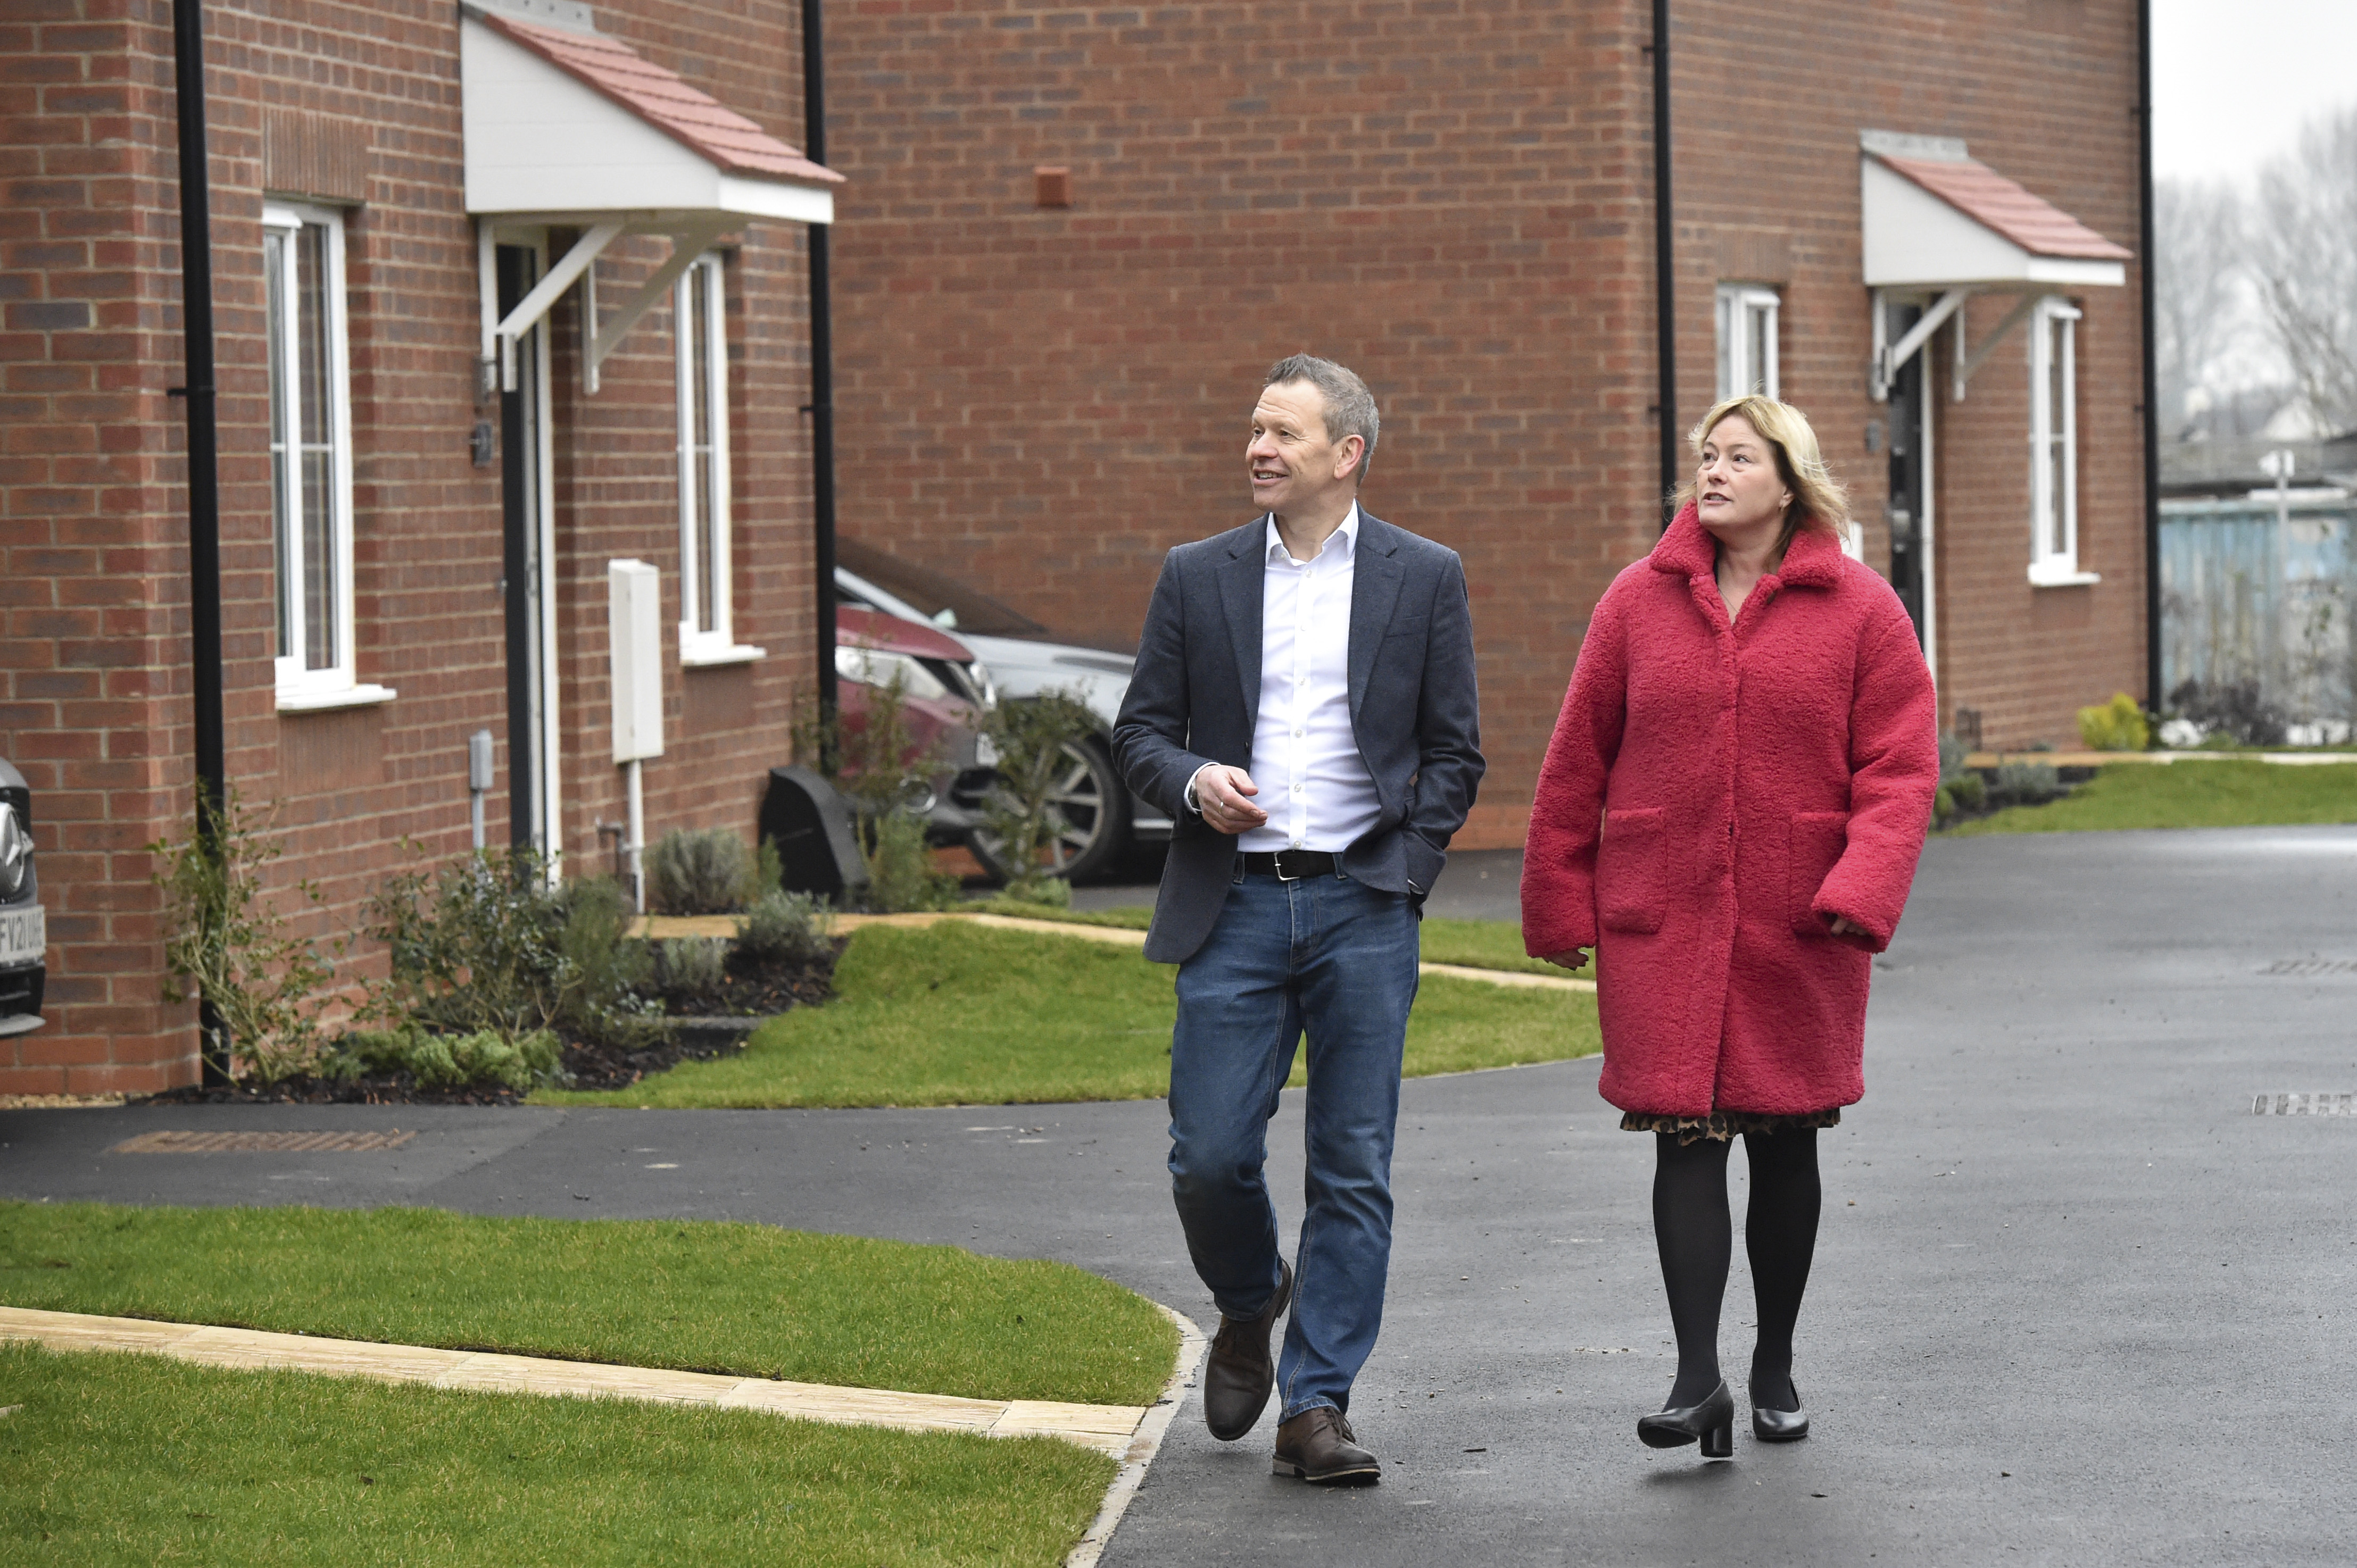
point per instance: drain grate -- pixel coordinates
(2312, 966)
(260, 1142)
(2304, 1105)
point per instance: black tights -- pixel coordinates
(1780, 1235)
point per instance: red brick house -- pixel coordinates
(505, 291)
(1073, 239)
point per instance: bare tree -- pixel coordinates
(2198, 297)
(2304, 258)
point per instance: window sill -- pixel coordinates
(299, 700)
(718, 654)
(2052, 577)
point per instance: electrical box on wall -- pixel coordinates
(634, 630)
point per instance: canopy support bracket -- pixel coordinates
(1890, 358)
(1964, 363)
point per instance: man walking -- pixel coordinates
(1304, 708)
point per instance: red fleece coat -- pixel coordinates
(1715, 794)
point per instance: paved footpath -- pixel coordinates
(2074, 1303)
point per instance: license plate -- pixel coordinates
(24, 935)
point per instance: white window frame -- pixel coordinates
(2054, 445)
(336, 684)
(704, 536)
(1737, 304)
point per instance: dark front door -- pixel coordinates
(1908, 538)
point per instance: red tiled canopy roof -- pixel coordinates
(1994, 201)
(695, 119)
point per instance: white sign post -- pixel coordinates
(634, 640)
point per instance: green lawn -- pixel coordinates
(138, 1460)
(956, 1014)
(690, 1295)
(2191, 794)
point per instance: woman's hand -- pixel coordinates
(1843, 926)
(1570, 960)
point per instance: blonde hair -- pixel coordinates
(1818, 499)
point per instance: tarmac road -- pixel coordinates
(2073, 1302)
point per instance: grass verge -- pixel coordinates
(2193, 794)
(693, 1296)
(140, 1460)
(955, 1013)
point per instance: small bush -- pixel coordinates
(484, 1059)
(1944, 806)
(1951, 758)
(487, 944)
(691, 970)
(2026, 784)
(900, 875)
(2231, 710)
(1969, 791)
(1021, 821)
(2116, 725)
(784, 930)
(700, 871)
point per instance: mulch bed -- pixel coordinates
(746, 995)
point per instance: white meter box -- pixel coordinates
(634, 628)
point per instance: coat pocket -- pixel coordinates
(1818, 840)
(1632, 871)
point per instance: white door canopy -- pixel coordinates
(1933, 219)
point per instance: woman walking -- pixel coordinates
(1729, 814)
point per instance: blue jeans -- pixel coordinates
(1338, 958)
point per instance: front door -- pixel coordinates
(528, 580)
(1910, 533)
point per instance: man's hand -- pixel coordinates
(1572, 959)
(1219, 794)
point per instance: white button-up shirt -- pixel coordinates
(1314, 785)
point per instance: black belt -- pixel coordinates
(1289, 864)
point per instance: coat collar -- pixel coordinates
(1812, 560)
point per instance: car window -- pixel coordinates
(944, 600)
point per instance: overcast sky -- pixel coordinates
(2233, 79)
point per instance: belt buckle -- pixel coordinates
(1278, 862)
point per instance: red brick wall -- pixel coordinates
(1456, 200)
(94, 624)
(1449, 199)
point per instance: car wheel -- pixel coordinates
(1094, 805)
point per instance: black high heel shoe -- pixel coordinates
(1713, 1422)
(1780, 1425)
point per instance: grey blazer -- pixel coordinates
(1196, 696)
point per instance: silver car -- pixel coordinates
(24, 946)
(1102, 818)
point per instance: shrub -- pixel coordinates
(2116, 725)
(1951, 758)
(447, 1061)
(691, 970)
(1968, 791)
(784, 930)
(227, 942)
(488, 945)
(2234, 710)
(1944, 806)
(2026, 784)
(900, 875)
(699, 871)
(1020, 818)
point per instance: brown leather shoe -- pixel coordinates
(1318, 1447)
(1240, 1374)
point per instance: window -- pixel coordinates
(2054, 445)
(706, 634)
(310, 457)
(1747, 341)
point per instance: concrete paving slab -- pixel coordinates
(2073, 1302)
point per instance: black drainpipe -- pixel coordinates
(822, 376)
(2147, 262)
(204, 474)
(1665, 325)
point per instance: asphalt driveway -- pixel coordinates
(2074, 1303)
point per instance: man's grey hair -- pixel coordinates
(1350, 406)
